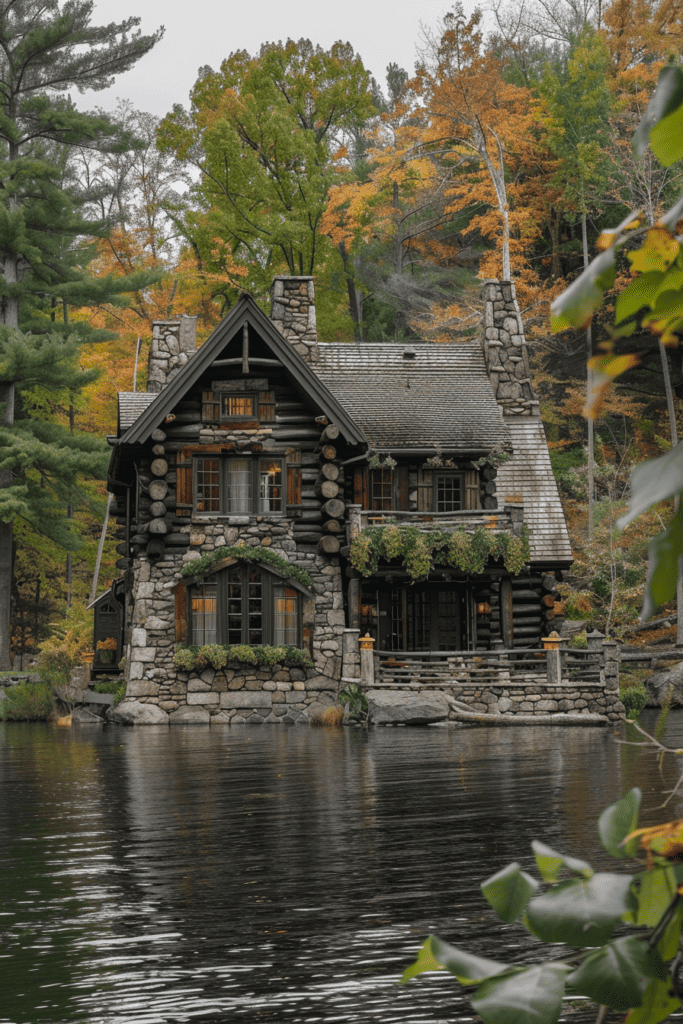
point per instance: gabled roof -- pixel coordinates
(421, 396)
(528, 476)
(244, 311)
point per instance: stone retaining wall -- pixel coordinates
(514, 698)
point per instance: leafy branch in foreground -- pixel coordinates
(636, 972)
(652, 301)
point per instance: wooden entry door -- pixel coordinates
(427, 617)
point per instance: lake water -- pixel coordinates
(156, 876)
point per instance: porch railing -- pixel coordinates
(483, 668)
(498, 521)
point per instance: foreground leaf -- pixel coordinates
(664, 551)
(577, 303)
(654, 481)
(509, 891)
(550, 862)
(436, 955)
(656, 890)
(581, 912)
(618, 974)
(532, 996)
(657, 1004)
(617, 822)
(667, 98)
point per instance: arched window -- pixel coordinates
(244, 604)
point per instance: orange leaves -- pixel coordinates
(605, 368)
(661, 840)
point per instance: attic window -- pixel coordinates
(409, 352)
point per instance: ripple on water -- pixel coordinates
(157, 875)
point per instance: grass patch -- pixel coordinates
(27, 702)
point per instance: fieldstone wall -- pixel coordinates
(505, 350)
(542, 699)
(173, 342)
(292, 310)
(152, 678)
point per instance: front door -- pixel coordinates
(424, 617)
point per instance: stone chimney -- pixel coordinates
(173, 342)
(292, 310)
(505, 350)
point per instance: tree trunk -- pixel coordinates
(6, 540)
(589, 392)
(671, 408)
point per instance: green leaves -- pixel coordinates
(581, 912)
(509, 891)
(576, 305)
(657, 1004)
(530, 996)
(662, 123)
(617, 822)
(618, 974)
(664, 551)
(550, 862)
(436, 955)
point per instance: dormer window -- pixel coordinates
(242, 404)
(234, 406)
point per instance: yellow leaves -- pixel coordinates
(661, 840)
(658, 251)
(605, 368)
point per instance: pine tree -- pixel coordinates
(46, 48)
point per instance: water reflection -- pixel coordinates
(276, 874)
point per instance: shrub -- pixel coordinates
(194, 659)
(198, 567)
(27, 702)
(115, 686)
(634, 699)
(354, 697)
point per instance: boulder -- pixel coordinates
(189, 716)
(132, 712)
(398, 707)
(659, 684)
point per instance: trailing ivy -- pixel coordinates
(194, 658)
(243, 553)
(420, 552)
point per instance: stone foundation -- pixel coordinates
(235, 695)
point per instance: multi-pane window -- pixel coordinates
(234, 405)
(238, 486)
(448, 492)
(245, 604)
(381, 490)
(203, 613)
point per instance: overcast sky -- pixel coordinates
(200, 32)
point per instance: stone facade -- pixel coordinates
(505, 350)
(292, 311)
(173, 342)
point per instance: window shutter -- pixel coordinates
(425, 490)
(266, 407)
(293, 485)
(181, 613)
(472, 499)
(184, 482)
(211, 407)
(360, 487)
(403, 488)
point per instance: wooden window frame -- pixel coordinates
(376, 477)
(213, 411)
(254, 461)
(448, 474)
(270, 583)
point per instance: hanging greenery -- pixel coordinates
(420, 552)
(194, 658)
(199, 567)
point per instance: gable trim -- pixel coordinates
(244, 312)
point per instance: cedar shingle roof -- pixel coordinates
(131, 405)
(528, 474)
(441, 397)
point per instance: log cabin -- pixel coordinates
(274, 491)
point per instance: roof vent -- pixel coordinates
(409, 352)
